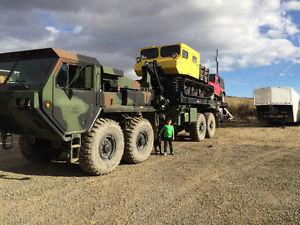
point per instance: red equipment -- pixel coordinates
(217, 82)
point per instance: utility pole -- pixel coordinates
(217, 62)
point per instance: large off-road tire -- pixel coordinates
(139, 139)
(198, 128)
(210, 125)
(37, 150)
(103, 148)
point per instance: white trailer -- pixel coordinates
(277, 104)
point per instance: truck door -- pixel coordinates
(73, 96)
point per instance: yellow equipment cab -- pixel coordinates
(172, 59)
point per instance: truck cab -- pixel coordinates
(53, 94)
(219, 86)
(57, 101)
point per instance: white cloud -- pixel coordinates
(77, 29)
(53, 33)
(247, 33)
(52, 30)
(13, 44)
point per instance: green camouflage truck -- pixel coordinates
(69, 107)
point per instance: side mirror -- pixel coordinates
(138, 59)
(63, 82)
(62, 79)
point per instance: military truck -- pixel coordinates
(69, 107)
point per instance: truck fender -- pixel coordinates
(95, 118)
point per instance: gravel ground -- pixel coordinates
(242, 176)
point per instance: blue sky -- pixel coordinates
(258, 40)
(242, 82)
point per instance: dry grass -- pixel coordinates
(242, 109)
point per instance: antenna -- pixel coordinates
(217, 62)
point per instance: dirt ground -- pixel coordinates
(242, 176)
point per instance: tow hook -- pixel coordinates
(7, 141)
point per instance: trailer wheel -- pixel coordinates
(210, 125)
(198, 128)
(103, 148)
(37, 151)
(139, 139)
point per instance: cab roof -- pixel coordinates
(159, 46)
(49, 52)
(182, 46)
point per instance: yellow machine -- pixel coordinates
(172, 59)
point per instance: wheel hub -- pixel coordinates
(142, 140)
(107, 147)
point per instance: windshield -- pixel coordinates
(222, 84)
(149, 53)
(212, 77)
(26, 70)
(169, 51)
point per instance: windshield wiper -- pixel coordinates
(19, 82)
(23, 81)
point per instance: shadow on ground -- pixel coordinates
(55, 169)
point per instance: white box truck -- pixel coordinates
(277, 104)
